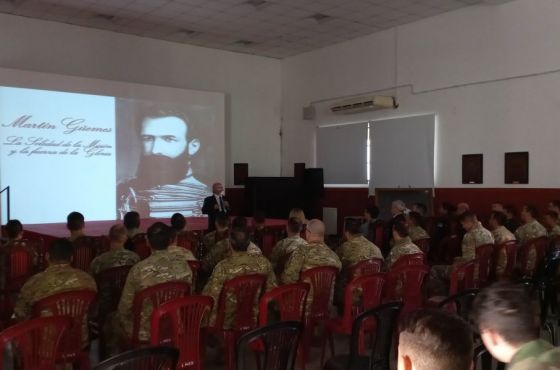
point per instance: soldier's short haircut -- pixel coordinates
(240, 239)
(400, 226)
(436, 340)
(75, 221)
(61, 250)
(353, 226)
(13, 228)
(160, 236)
(552, 214)
(316, 227)
(131, 220)
(178, 222)
(373, 211)
(532, 210)
(505, 308)
(295, 225)
(222, 220)
(467, 216)
(117, 233)
(499, 217)
(239, 222)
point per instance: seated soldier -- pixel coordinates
(161, 267)
(501, 235)
(416, 229)
(512, 223)
(462, 208)
(554, 206)
(222, 249)
(180, 251)
(286, 246)
(371, 214)
(435, 340)
(178, 223)
(240, 262)
(356, 249)
(299, 214)
(58, 277)
(221, 232)
(510, 329)
(116, 256)
(131, 222)
(531, 228)
(75, 223)
(402, 245)
(551, 224)
(420, 208)
(14, 234)
(476, 235)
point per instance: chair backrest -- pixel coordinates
(366, 267)
(409, 259)
(368, 290)
(178, 323)
(19, 266)
(244, 293)
(155, 296)
(110, 284)
(290, 302)
(38, 244)
(86, 249)
(268, 241)
(423, 244)
(280, 342)
(140, 246)
(510, 249)
(148, 358)
(74, 304)
(322, 281)
(411, 279)
(484, 255)
(35, 342)
(462, 277)
(195, 267)
(540, 245)
(386, 317)
(460, 303)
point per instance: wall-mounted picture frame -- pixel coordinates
(473, 168)
(516, 168)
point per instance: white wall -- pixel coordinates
(251, 83)
(489, 73)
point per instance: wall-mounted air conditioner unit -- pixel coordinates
(365, 103)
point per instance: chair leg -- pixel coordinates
(258, 360)
(331, 342)
(229, 350)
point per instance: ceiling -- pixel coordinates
(272, 28)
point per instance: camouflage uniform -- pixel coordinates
(212, 238)
(536, 355)
(285, 247)
(181, 252)
(238, 264)
(417, 233)
(161, 267)
(501, 235)
(401, 248)
(528, 231)
(113, 258)
(554, 232)
(55, 279)
(221, 251)
(351, 252)
(476, 237)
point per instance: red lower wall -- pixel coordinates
(351, 201)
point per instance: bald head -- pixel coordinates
(118, 234)
(397, 207)
(315, 230)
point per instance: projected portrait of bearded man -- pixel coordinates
(164, 182)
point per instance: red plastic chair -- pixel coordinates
(365, 267)
(411, 279)
(424, 245)
(484, 255)
(245, 292)
(195, 267)
(322, 281)
(409, 260)
(75, 304)
(178, 323)
(141, 247)
(510, 249)
(85, 250)
(370, 289)
(35, 343)
(461, 278)
(268, 241)
(155, 295)
(110, 284)
(19, 267)
(540, 245)
(290, 302)
(189, 240)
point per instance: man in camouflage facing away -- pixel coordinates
(116, 256)
(285, 247)
(239, 263)
(403, 244)
(161, 267)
